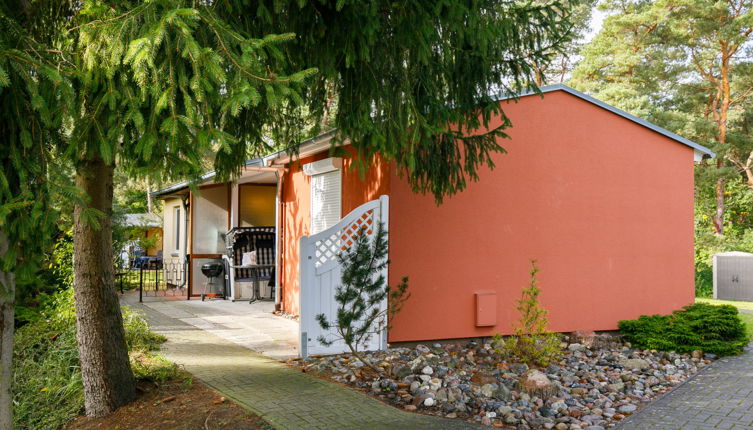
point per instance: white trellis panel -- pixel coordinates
(320, 276)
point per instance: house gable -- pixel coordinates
(604, 204)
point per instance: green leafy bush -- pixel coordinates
(714, 329)
(532, 342)
(47, 385)
(55, 276)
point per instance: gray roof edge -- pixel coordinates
(620, 112)
(261, 161)
(734, 254)
(308, 142)
(181, 185)
(252, 162)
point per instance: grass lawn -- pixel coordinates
(746, 318)
(736, 303)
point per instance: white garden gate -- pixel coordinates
(320, 276)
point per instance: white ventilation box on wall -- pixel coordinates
(323, 166)
(733, 276)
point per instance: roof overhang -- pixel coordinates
(306, 148)
(322, 142)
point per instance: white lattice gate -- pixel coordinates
(320, 276)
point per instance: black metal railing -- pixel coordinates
(168, 278)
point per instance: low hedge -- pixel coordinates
(709, 328)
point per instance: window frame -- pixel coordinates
(176, 228)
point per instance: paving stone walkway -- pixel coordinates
(718, 397)
(284, 397)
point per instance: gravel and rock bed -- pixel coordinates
(597, 382)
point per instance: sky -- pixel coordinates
(597, 19)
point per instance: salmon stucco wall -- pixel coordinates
(604, 205)
(357, 188)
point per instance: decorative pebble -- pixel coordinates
(595, 383)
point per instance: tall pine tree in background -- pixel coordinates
(686, 65)
(558, 70)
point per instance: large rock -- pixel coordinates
(628, 408)
(535, 382)
(635, 363)
(616, 387)
(503, 393)
(586, 338)
(401, 371)
(480, 378)
(488, 389)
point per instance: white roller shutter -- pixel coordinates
(326, 192)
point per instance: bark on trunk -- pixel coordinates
(724, 95)
(105, 370)
(719, 214)
(7, 300)
(149, 200)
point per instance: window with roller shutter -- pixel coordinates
(326, 192)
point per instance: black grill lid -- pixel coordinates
(212, 269)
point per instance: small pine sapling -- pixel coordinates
(532, 342)
(363, 289)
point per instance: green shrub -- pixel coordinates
(532, 342)
(47, 385)
(56, 276)
(714, 329)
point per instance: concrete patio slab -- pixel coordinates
(251, 325)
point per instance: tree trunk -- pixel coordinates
(719, 214)
(7, 299)
(721, 118)
(149, 200)
(105, 369)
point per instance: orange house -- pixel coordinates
(601, 199)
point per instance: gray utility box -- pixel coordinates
(733, 276)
